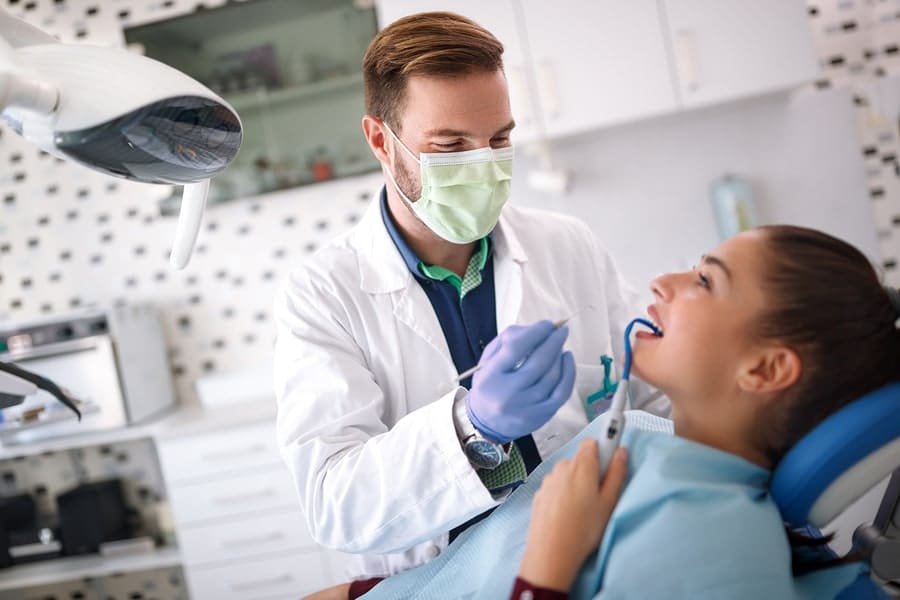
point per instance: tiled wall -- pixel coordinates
(70, 237)
(858, 42)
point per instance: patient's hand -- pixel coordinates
(569, 515)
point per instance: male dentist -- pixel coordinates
(392, 457)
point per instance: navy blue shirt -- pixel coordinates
(469, 321)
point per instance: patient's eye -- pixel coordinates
(703, 280)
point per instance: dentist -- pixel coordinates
(391, 456)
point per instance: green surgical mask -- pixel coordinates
(462, 192)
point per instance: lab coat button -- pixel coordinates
(432, 552)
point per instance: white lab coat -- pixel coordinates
(364, 379)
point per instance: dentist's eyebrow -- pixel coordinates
(709, 259)
(464, 134)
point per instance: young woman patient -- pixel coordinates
(769, 334)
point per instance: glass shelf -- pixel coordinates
(264, 99)
(292, 70)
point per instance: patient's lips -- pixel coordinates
(654, 316)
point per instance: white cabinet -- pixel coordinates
(577, 65)
(597, 63)
(498, 17)
(728, 49)
(239, 524)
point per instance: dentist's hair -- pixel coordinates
(829, 306)
(439, 44)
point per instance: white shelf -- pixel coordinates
(262, 98)
(80, 440)
(77, 567)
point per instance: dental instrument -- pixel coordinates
(615, 416)
(556, 325)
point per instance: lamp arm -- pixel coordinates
(17, 33)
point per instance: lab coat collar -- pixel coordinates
(382, 267)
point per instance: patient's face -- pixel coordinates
(707, 316)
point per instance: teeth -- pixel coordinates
(658, 326)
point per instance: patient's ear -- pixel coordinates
(771, 369)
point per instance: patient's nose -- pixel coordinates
(661, 287)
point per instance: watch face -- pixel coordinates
(483, 454)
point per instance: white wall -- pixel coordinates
(644, 188)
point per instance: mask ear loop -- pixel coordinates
(394, 135)
(390, 175)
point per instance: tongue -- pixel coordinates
(645, 335)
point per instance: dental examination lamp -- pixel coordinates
(119, 113)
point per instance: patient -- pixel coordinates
(772, 332)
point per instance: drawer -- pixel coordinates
(207, 455)
(278, 532)
(260, 490)
(288, 577)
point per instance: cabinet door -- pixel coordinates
(497, 16)
(597, 62)
(727, 49)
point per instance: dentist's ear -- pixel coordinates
(373, 129)
(772, 369)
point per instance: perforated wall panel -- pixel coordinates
(70, 237)
(858, 42)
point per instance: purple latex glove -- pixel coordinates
(524, 378)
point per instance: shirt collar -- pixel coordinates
(409, 257)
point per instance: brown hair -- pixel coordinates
(441, 44)
(831, 309)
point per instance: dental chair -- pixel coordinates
(834, 465)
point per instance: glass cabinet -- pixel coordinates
(292, 70)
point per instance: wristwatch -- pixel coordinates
(481, 452)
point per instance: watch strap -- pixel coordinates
(509, 473)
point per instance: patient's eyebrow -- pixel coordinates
(709, 259)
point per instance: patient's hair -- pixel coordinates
(439, 44)
(829, 306)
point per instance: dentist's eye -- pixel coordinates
(447, 146)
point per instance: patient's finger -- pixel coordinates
(615, 478)
(588, 457)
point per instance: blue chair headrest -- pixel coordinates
(840, 460)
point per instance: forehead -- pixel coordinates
(475, 102)
(746, 257)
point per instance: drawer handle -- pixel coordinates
(242, 498)
(248, 585)
(259, 539)
(234, 453)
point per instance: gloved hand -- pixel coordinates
(506, 403)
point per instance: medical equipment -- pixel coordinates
(835, 464)
(614, 419)
(556, 325)
(110, 366)
(118, 113)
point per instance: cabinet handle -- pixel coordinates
(248, 585)
(686, 59)
(235, 453)
(242, 498)
(248, 541)
(548, 89)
